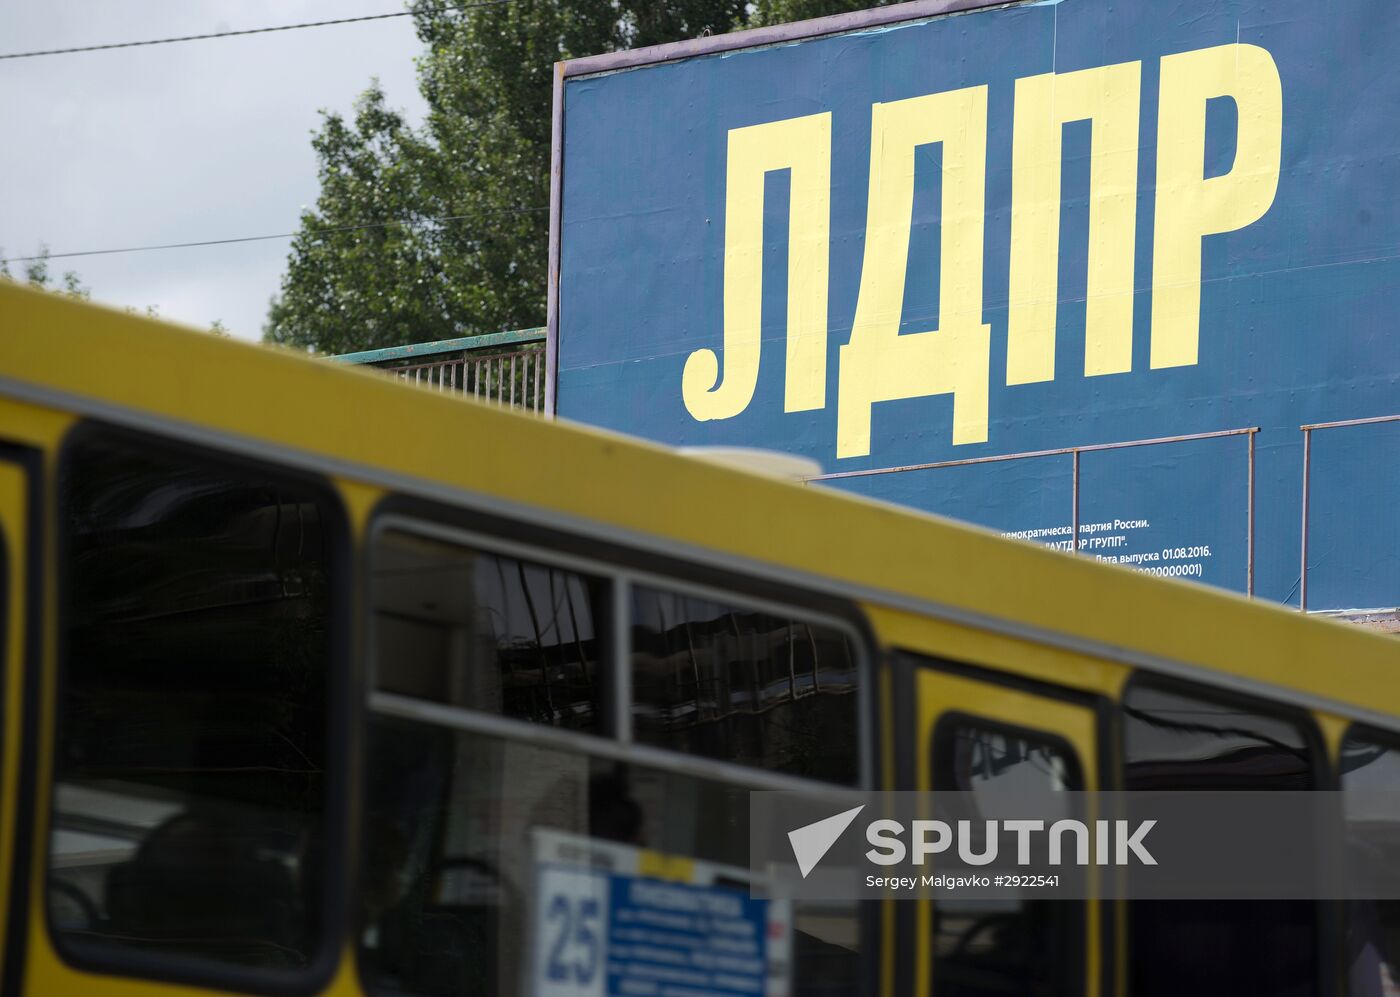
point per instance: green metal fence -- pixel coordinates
(503, 367)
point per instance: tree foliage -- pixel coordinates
(37, 274)
(441, 231)
(782, 11)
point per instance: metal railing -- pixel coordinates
(1307, 432)
(503, 367)
(1074, 453)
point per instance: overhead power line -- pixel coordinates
(251, 238)
(248, 31)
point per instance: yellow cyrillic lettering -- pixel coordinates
(802, 145)
(1189, 206)
(878, 364)
(1109, 97)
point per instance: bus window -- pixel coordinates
(467, 628)
(478, 796)
(743, 685)
(1176, 740)
(1015, 945)
(451, 825)
(191, 757)
(1370, 770)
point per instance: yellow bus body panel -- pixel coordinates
(364, 419)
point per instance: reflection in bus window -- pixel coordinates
(982, 759)
(190, 776)
(743, 685)
(460, 819)
(1178, 741)
(458, 626)
(1370, 770)
(1005, 945)
(451, 855)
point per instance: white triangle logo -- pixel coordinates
(811, 842)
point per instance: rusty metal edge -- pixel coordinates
(556, 203)
(819, 27)
(1342, 424)
(1057, 452)
(413, 351)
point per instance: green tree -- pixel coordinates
(37, 274)
(782, 11)
(442, 231)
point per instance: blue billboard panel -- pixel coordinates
(1178, 510)
(918, 244)
(1353, 535)
(1029, 498)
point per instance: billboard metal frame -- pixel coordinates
(1307, 431)
(1074, 453)
(778, 34)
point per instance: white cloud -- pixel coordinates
(180, 143)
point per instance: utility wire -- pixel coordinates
(250, 31)
(252, 238)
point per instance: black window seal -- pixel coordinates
(335, 893)
(1320, 766)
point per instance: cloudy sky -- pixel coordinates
(178, 143)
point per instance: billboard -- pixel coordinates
(1076, 270)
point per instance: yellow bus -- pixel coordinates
(305, 669)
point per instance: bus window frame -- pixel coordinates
(16, 874)
(30, 680)
(908, 662)
(1322, 768)
(341, 668)
(1107, 731)
(1330, 914)
(1075, 933)
(1387, 738)
(619, 566)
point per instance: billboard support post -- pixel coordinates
(1303, 571)
(1074, 502)
(1307, 478)
(1249, 540)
